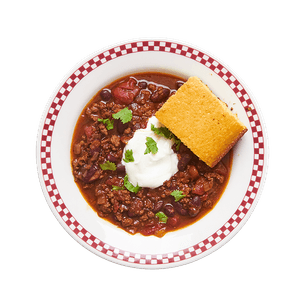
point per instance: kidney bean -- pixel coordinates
(196, 202)
(105, 95)
(160, 95)
(199, 186)
(142, 84)
(183, 162)
(90, 175)
(193, 172)
(142, 97)
(158, 205)
(111, 158)
(169, 210)
(120, 168)
(151, 87)
(192, 211)
(121, 126)
(179, 208)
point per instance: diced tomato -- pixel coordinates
(126, 91)
(153, 229)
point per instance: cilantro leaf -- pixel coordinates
(108, 166)
(151, 146)
(177, 142)
(165, 132)
(162, 217)
(162, 131)
(109, 123)
(129, 156)
(177, 194)
(117, 187)
(129, 186)
(125, 115)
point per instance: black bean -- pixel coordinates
(169, 210)
(183, 162)
(105, 95)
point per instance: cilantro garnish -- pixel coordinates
(177, 142)
(162, 131)
(129, 186)
(165, 132)
(177, 194)
(129, 156)
(108, 166)
(162, 217)
(151, 146)
(117, 187)
(125, 115)
(109, 123)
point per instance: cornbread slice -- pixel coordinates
(201, 121)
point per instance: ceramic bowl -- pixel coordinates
(101, 237)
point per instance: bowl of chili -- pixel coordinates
(81, 158)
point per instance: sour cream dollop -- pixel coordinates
(150, 170)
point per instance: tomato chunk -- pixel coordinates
(126, 91)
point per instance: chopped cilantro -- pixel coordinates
(117, 187)
(151, 146)
(165, 132)
(108, 166)
(125, 115)
(162, 217)
(177, 142)
(177, 194)
(129, 186)
(109, 123)
(162, 131)
(129, 156)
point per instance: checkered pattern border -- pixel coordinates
(137, 258)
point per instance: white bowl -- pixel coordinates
(101, 237)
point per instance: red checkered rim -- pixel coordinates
(138, 258)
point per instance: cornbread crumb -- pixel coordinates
(201, 121)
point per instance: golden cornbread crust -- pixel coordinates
(201, 121)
